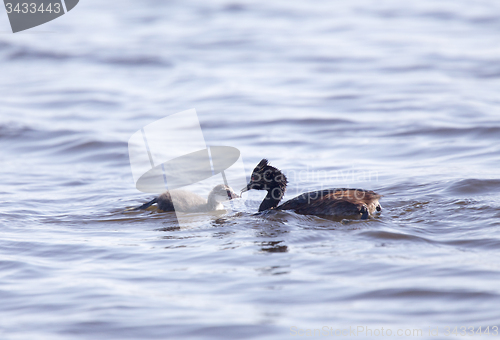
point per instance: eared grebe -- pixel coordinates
(186, 201)
(339, 203)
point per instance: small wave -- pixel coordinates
(234, 7)
(424, 130)
(452, 295)
(30, 54)
(474, 186)
(481, 243)
(134, 61)
(14, 130)
(26, 54)
(300, 123)
(387, 235)
(73, 145)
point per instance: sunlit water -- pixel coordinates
(400, 98)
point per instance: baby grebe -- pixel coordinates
(186, 201)
(337, 203)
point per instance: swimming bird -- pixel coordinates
(341, 203)
(186, 201)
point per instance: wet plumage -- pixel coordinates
(337, 202)
(186, 201)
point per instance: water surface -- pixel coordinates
(397, 98)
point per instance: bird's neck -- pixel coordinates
(273, 197)
(212, 203)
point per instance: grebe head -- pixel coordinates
(222, 193)
(266, 177)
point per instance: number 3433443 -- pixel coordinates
(33, 8)
(471, 330)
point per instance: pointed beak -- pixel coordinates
(245, 189)
(231, 194)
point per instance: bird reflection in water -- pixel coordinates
(273, 246)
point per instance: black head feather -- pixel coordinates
(264, 162)
(266, 177)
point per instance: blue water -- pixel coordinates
(400, 98)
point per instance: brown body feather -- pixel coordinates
(337, 203)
